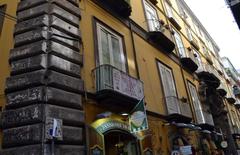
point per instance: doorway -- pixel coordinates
(120, 143)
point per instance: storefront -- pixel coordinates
(111, 136)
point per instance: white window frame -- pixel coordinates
(153, 21)
(169, 83)
(110, 34)
(196, 103)
(179, 43)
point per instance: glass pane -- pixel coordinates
(105, 48)
(117, 59)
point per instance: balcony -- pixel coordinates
(175, 22)
(161, 40)
(121, 7)
(208, 123)
(154, 2)
(231, 100)
(208, 58)
(194, 43)
(117, 90)
(189, 61)
(177, 110)
(209, 76)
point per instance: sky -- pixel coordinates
(217, 18)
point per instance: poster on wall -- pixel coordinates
(127, 85)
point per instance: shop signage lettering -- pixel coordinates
(112, 125)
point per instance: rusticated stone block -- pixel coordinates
(43, 20)
(30, 64)
(28, 9)
(32, 12)
(28, 50)
(63, 98)
(65, 82)
(75, 2)
(25, 97)
(41, 77)
(44, 94)
(69, 116)
(23, 5)
(31, 134)
(65, 27)
(68, 41)
(64, 66)
(26, 80)
(66, 53)
(68, 7)
(34, 114)
(31, 36)
(24, 150)
(46, 150)
(72, 135)
(23, 116)
(65, 15)
(34, 23)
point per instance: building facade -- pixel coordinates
(83, 66)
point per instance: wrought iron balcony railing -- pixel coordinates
(208, 118)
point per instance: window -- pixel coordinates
(169, 88)
(179, 44)
(110, 48)
(152, 18)
(196, 103)
(2, 12)
(169, 10)
(189, 33)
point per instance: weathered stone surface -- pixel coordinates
(34, 23)
(68, 41)
(41, 77)
(23, 116)
(63, 98)
(69, 116)
(46, 150)
(25, 150)
(28, 9)
(23, 5)
(68, 7)
(66, 53)
(65, 15)
(31, 36)
(44, 94)
(31, 134)
(28, 50)
(65, 82)
(63, 66)
(30, 64)
(72, 135)
(34, 114)
(25, 97)
(32, 12)
(26, 80)
(75, 2)
(65, 27)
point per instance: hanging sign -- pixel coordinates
(138, 119)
